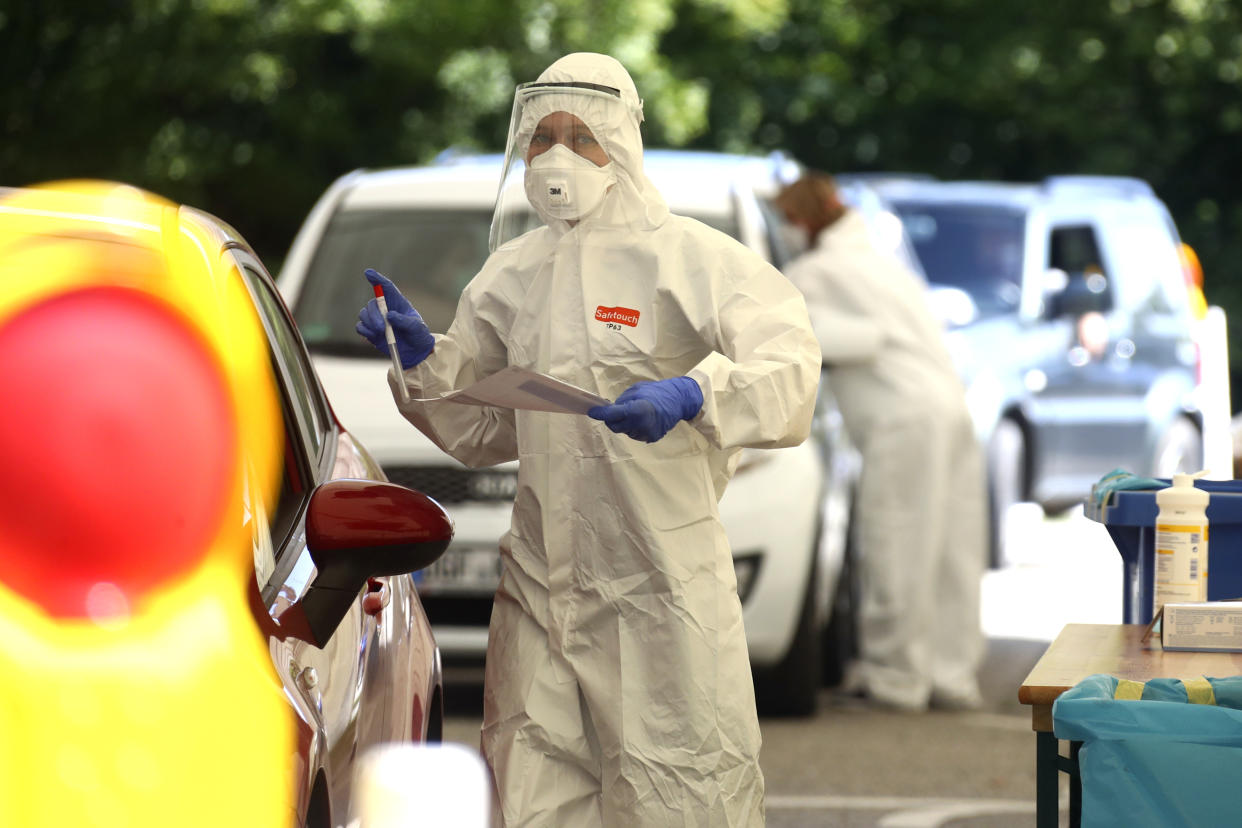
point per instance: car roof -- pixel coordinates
(474, 185)
(689, 180)
(64, 213)
(140, 220)
(1015, 195)
(765, 174)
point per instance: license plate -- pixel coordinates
(462, 570)
(492, 485)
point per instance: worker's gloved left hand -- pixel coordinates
(414, 340)
(648, 410)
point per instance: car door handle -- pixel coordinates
(308, 679)
(377, 597)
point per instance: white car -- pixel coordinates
(786, 511)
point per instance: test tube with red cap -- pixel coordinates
(392, 343)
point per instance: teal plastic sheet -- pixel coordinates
(1120, 480)
(1160, 759)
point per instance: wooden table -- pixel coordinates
(1081, 650)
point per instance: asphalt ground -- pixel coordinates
(854, 764)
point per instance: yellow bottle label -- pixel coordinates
(1181, 563)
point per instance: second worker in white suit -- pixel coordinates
(921, 510)
(618, 688)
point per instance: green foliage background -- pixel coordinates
(250, 108)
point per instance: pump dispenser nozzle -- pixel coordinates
(1182, 479)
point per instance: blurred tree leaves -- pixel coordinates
(250, 108)
(966, 89)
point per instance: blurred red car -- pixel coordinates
(341, 656)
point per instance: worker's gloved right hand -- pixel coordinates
(414, 338)
(648, 410)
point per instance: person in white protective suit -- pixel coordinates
(921, 509)
(618, 688)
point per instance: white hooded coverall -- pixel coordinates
(618, 688)
(921, 510)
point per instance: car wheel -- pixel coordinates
(841, 635)
(790, 688)
(1006, 478)
(1180, 449)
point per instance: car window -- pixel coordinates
(1076, 251)
(726, 224)
(776, 229)
(302, 389)
(304, 414)
(257, 522)
(978, 249)
(430, 254)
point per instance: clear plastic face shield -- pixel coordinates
(558, 163)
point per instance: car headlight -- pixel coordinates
(983, 399)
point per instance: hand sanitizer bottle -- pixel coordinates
(1181, 543)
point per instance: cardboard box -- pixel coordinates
(1208, 626)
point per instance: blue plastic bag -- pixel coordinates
(1166, 753)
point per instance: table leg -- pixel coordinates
(1046, 759)
(1075, 802)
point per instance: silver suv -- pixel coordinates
(1071, 324)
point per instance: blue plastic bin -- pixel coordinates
(1158, 760)
(1130, 517)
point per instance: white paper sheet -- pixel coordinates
(519, 388)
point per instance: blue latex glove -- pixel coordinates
(414, 339)
(648, 410)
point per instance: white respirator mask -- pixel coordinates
(565, 185)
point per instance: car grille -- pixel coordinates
(457, 611)
(451, 485)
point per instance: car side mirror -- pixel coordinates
(360, 529)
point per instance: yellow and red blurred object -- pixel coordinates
(1193, 272)
(141, 417)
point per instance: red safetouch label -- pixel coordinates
(625, 316)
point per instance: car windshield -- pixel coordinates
(975, 248)
(726, 224)
(431, 254)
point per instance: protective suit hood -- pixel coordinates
(599, 91)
